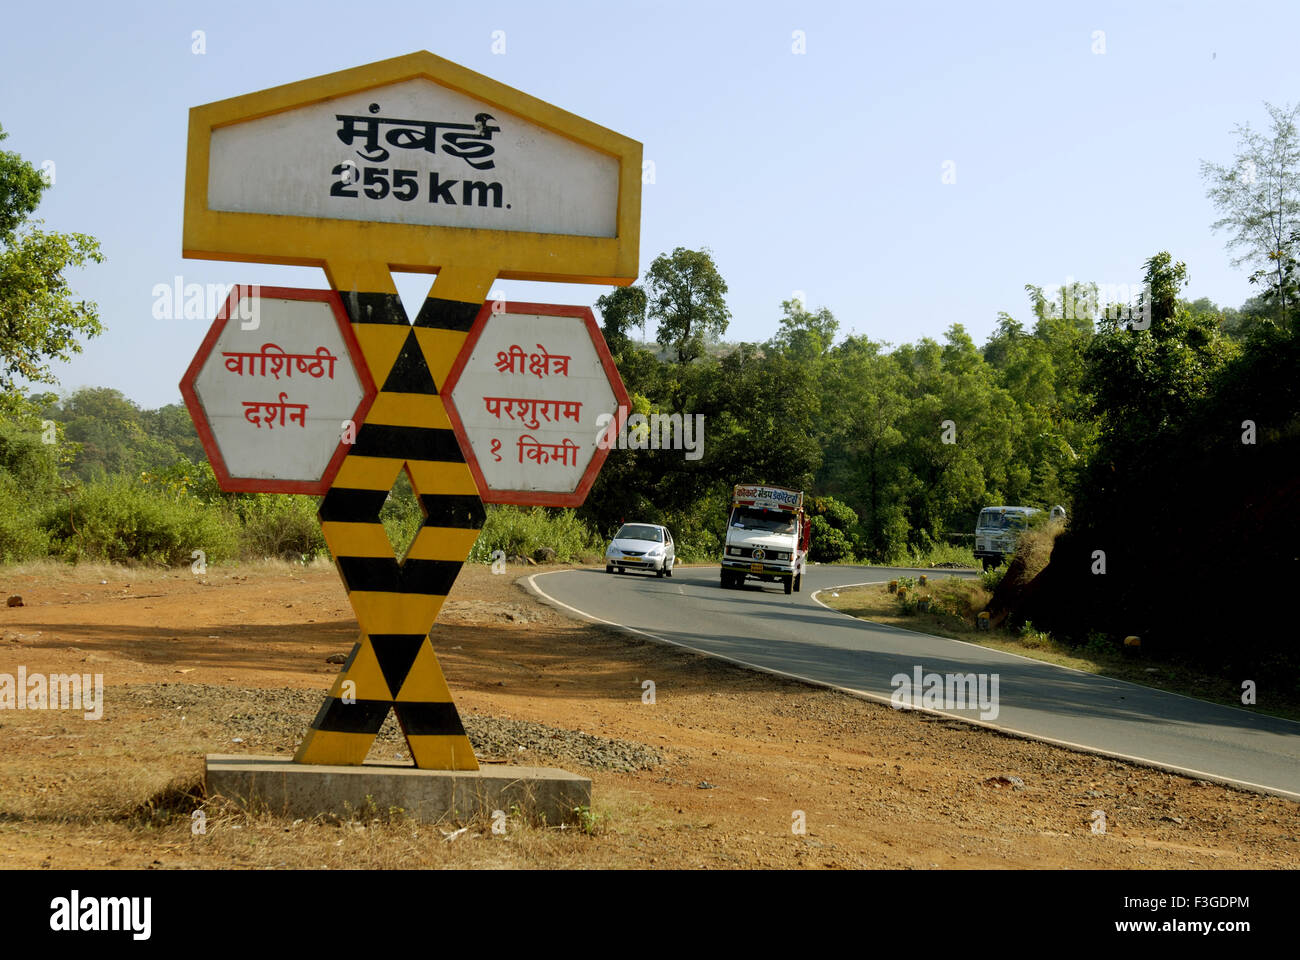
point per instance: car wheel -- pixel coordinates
(789, 585)
(798, 582)
(609, 569)
(986, 562)
(661, 572)
(670, 568)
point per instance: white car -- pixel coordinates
(641, 546)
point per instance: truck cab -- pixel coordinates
(767, 537)
(997, 530)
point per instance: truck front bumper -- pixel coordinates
(759, 570)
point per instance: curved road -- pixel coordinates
(796, 636)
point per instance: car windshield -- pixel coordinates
(639, 531)
(768, 521)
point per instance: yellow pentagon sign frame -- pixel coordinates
(413, 164)
(260, 137)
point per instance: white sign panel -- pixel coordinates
(276, 388)
(529, 397)
(414, 152)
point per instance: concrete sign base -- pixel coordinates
(309, 790)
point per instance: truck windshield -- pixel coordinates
(997, 520)
(745, 518)
(639, 531)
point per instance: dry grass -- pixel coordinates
(961, 600)
(957, 601)
(55, 571)
(1035, 546)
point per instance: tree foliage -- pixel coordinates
(1259, 198)
(40, 319)
(621, 309)
(687, 296)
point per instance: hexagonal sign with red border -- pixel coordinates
(533, 397)
(278, 390)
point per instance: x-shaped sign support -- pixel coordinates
(396, 602)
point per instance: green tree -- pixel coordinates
(1143, 384)
(687, 296)
(804, 334)
(620, 310)
(171, 424)
(765, 427)
(1282, 281)
(1259, 198)
(863, 404)
(117, 437)
(39, 319)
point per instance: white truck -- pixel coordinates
(998, 529)
(767, 537)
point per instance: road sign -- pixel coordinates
(420, 165)
(530, 395)
(442, 165)
(277, 390)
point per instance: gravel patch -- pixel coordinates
(276, 719)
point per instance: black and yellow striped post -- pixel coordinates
(592, 236)
(396, 601)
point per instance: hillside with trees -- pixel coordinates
(1167, 441)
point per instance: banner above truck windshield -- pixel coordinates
(770, 498)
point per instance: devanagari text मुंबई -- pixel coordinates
(470, 142)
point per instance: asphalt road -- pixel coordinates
(761, 627)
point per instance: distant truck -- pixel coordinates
(767, 537)
(997, 530)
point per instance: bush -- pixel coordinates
(693, 540)
(991, 578)
(519, 531)
(279, 525)
(119, 520)
(1035, 639)
(31, 464)
(838, 515)
(1035, 545)
(21, 537)
(932, 554)
(828, 545)
(697, 546)
(1099, 645)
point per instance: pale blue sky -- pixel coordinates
(819, 172)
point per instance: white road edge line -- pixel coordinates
(531, 580)
(1020, 656)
